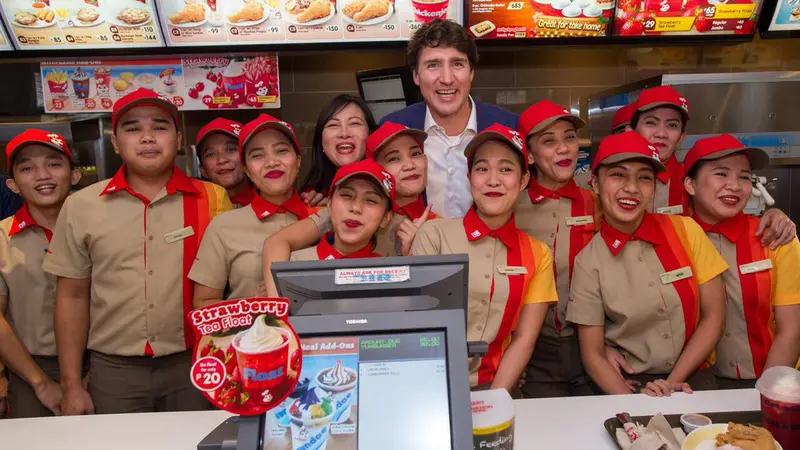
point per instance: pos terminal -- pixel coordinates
(386, 340)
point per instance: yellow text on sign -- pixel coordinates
(734, 11)
(667, 24)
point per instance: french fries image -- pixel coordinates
(57, 77)
(45, 14)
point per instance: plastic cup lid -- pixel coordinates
(780, 383)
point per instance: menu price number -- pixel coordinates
(332, 28)
(149, 29)
(58, 104)
(413, 26)
(649, 24)
(208, 373)
(389, 26)
(177, 101)
(90, 103)
(106, 103)
(58, 39)
(515, 6)
(273, 29)
(710, 11)
(213, 30)
(150, 37)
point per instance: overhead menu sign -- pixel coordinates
(63, 24)
(5, 44)
(685, 17)
(247, 22)
(489, 19)
(786, 17)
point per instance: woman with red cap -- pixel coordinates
(511, 273)
(647, 285)
(218, 152)
(762, 286)
(360, 204)
(559, 213)
(230, 251)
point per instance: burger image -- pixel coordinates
(795, 15)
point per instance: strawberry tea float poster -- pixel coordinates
(685, 17)
(232, 83)
(540, 18)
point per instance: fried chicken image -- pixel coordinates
(316, 10)
(295, 7)
(252, 10)
(375, 8)
(354, 7)
(25, 18)
(191, 12)
(746, 437)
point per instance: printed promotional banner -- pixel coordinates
(222, 22)
(539, 18)
(787, 16)
(62, 24)
(191, 83)
(5, 44)
(685, 17)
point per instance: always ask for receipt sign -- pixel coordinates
(247, 356)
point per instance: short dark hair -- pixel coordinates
(522, 163)
(638, 115)
(441, 33)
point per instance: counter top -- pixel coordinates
(563, 423)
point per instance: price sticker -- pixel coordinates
(208, 373)
(515, 6)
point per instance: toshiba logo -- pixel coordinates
(355, 321)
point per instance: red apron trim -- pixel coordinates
(197, 213)
(756, 296)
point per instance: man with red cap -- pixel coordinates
(43, 173)
(122, 249)
(218, 152)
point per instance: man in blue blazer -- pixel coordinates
(442, 55)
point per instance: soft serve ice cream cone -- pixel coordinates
(339, 381)
(262, 352)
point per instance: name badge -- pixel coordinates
(512, 270)
(757, 266)
(670, 210)
(178, 235)
(579, 220)
(675, 275)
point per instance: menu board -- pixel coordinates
(489, 19)
(5, 44)
(786, 17)
(62, 24)
(685, 17)
(191, 83)
(225, 22)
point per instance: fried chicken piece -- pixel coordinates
(192, 12)
(295, 7)
(354, 7)
(375, 8)
(252, 10)
(25, 18)
(746, 437)
(316, 10)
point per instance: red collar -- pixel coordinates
(245, 197)
(477, 229)
(264, 208)
(23, 220)
(539, 193)
(648, 231)
(325, 250)
(674, 171)
(178, 182)
(730, 228)
(413, 210)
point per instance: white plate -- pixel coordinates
(704, 438)
(248, 23)
(39, 23)
(112, 10)
(78, 23)
(373, 21)
(290, 18)
(190, 24)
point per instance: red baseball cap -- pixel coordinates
(664, 95)
(541, 115)
(368, 167)
(36, 136)
(219, 125)
(142, 97)
(265, 122)
(624, 146)
(388, 131)
(716, 147)
(501, 133)
(623, 117)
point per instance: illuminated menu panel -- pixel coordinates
(786, 17)
(63, 24)
(225, 22)
(489, 19)
(686, 17)
(5, 44)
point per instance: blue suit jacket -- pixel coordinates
(9, 201)
(414, 116)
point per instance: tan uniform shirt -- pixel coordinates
(497, 293)
(138, 254)
(626, 284)
(231, 248)
(670, 196)
(31, 292)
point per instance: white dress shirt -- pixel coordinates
(448, 188)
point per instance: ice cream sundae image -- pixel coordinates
(262, 353)
(80, 83)
(282, 413)
(339, 381)
(310, 417)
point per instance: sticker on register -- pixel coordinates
(247, 357)
(372, 275)
(685, 17)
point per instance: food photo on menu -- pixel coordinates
(685, 17)
(190, 22)
(540, 19)
(225, 83)
(787, 16)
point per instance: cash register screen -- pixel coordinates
(386, 391)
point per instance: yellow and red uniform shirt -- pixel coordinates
(325, 250)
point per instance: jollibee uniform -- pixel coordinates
(137, 253)
(387, 238)
(643, 287)
(232, 128)
(324, 249)
(622, 118)
(565, 220)
(230, 251)
(758, 280)
(507, 269)
(30, 291)
(670, 197)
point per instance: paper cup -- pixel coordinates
(342, 395)
(310, 434)
(262, 371)
(428, 11)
